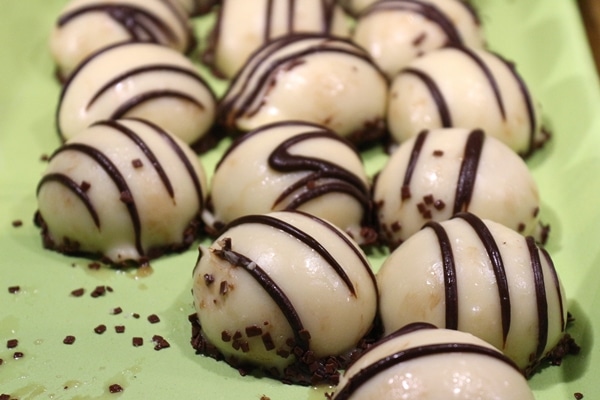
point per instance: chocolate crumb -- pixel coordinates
(85, 186)
(109, 289)
(94, 265)
(438, 153)
(264, 397)
(521, 227)
(69, 339)
(405, 192)
(137, 341)
(578, 395)
(153, 319)
(116, 310)
(1, 361)
(253, 331)
(119, 328)
(439, 205)
(44, 157)
(100, 329)
(137, 163)
(18, 355)
(160, 342)
(98, 291)
(268, 341)
(135, 315)
(78, 292)
(14, 289)
(126, 197)
(225, 336)
(115, 388)
(17, 223)
(12, 343)
(4, 396)
(223, 288)
(428, 199)
(208, 279)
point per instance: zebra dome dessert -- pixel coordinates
(294, 165)
(285, 292)
(444, 171)
(142, 80)
(243, 26)
(395, 32)
(465, 88)
(340, 87)
(420, 361)
(86, 26)
(123, 191)
(481, 277)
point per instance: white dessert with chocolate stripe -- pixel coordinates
(123, 191)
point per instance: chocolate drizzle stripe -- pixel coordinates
(281, 160)
(413, 160)
(275, 292)
(290, 16)
(556, 281)
(327, 10)
(135, 101)
(493, 252)
(367, 373)
(428, 11)
(113, 172)
(450, 281)
(436, 94)
(130, 17)
(135, 72)
(119, 127)
(268, 21)
(540, 296)
(488, 74)
(301, 236)
(468, 171)
(182, 157)
(73, 187)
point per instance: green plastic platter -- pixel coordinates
(544, 37)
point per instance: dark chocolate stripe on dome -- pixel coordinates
(142, 98)
(405, 330)
(540, 297)
(493, 252)
(556, 281)
(264, 280)
(488, 75)
(181, 155)
(328, 12)
(75, 189)
(121, 128)
(427, 10)
(268, 21)
(133, 19)
(344, 181)
(302, 236)
(436, 94)
(450, 281)
(412, 163)
(136, 72)
(363, 376)
(113, 173)
(468, 171)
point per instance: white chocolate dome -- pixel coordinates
(125, 191)
(476, 276)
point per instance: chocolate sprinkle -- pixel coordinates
(578, 395)
(78, 292)
(98, 291)
(120, 328)
(153, 319)
(85, 186)
(12, 343)
(69, 339)
(14, 289)
(137, 163)
(100, 329)
(160, 342)
(17, 223)
(116, 310)
(115, 388)
(18, 355)
(137, 341)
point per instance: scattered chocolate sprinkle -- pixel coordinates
(4, 396)
(18, 355)
(439, 205)
(44, 157)
(578, 395)
(116, 310)
(14, 289)
(419, 39)
(69, 339)
(78, 292)
(536, 211)
(225, 336)
(137, 163)
(109, 289)
(237, 335)
(94, 265)
(396, 226)
(17, 223)
(12, 343)
(405, 192)
(268, 341)
(135, 315)
(264, 397)
(438, 153)
(99, 291)
(100, 329)
(1, 361)
(520, 227)
(119, 328)
(253, 331)
(223, 288)
(428, 199)
(208, 279)
(137, 341)
(85, 186)
(160, 342)
(153, 319)
(115, 388)
(126, 197)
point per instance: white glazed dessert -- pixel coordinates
(395, 32)
(243, 26)
(340, 87)
(86, 26)
(465, 88)
(293, 166)
(123, 191)
(441, 172)
(286, 292)
(422, 362)
(481, 277)
(140, 80)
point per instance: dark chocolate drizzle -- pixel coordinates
(468, 171)
(540, 295)
(135, 101)
(113, 173)
(493, 252)
(302, 236)
(412, 163)
(450, 279)
(75, 189)
(364, 375)
(556, 281)
(436, 94)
